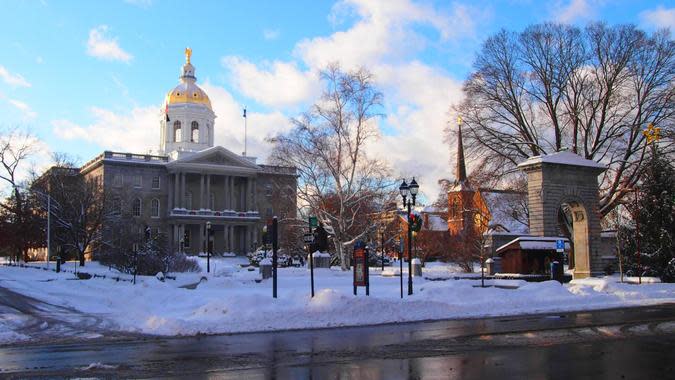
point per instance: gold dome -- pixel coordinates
(188, 92)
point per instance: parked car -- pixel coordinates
(375, 260)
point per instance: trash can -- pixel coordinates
(266, 268)
(321, 259)
(416, 267)
(556, 271)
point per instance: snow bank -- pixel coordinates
(232, 301)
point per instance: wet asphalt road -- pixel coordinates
(637, 343)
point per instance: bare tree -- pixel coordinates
(78, 206)
(20, 217)
(338, 181)
(591, 90)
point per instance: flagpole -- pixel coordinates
(245, 131)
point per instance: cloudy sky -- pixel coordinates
(88, 76)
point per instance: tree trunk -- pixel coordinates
(340, 250)
(81, 259)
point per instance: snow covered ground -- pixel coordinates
(231, 300)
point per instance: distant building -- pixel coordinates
(192, 182)
(472, 213)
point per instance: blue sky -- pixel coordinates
(85, 76)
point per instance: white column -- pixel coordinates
(254, 202)
(182, 190)
(169, 186)
(201, 191)
(201, 238)
(225, 238)
(231, 238)
(208, 192)
(232, 198)
(176, 191)
(248, 194)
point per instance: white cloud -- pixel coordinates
(271, 34)
(229, 125)
(25, 109)
(659, 18)
(385, 31)
(130, 132)
(575, 10)
(15, 80)
(385, 39)
(138, 130)
(275, 84)
(101, 46)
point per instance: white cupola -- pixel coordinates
(187, 118)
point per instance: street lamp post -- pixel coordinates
(208, 247)
(409, 191)
(382, 247)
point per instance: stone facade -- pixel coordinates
(566, 178)
(217, 187)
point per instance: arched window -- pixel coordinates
(176, 131)
(136, 207)
(154, 208)
(188, 200)
(194, 132)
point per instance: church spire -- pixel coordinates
(461, 167)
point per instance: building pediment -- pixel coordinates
(214, 158)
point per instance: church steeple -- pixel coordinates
(460, 172)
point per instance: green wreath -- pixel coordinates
(415, 223)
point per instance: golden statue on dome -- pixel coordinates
(188, 54)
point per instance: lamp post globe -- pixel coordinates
(413, 188)
(403, 189)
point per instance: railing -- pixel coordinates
(134, 156)
(215, 214)
(126, 157)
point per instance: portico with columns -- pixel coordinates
(216, 186)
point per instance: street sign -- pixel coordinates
(309, 238)
(560, 245)
(313, 222)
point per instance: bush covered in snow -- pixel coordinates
(148, 257)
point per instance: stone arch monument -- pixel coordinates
(565, 178)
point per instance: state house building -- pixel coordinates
(192, 182)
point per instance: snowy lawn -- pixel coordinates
(230, 300)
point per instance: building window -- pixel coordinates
(118, 180)
(454, 210)
(136, 207)
(116, 206)
(268, 190)
(268, 212)
(186, 239)
(155, 182)
(188, 200)
(154, 208)
(138, 180)
(212, 201)
(177, 131)
(194, 132)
